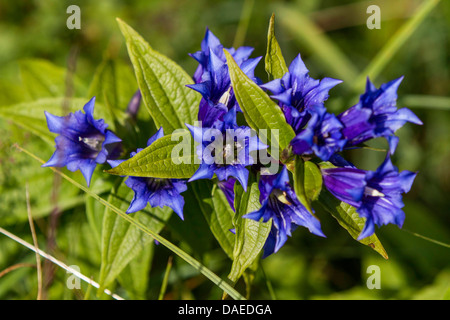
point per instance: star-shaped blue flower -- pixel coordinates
(212, 79)
(83, 142)
(280, 203)
(376, 195)
(297, 92)
(225, 149)
(155, 191)
(376, 115)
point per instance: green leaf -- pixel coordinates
(121, 241)
(274, 61)
(162, 83)
(221, 221)
(134, 278)
(259, 110)
(299, 183)
(43, 79)
(251, 235)
(11, 93)
(157, 160)
(349, 219)
(313, 180)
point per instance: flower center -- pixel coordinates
(94, 143)
(368, 191)
(282, 196)
(157, 183)
(225, 97)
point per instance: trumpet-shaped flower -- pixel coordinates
(376, 195)
(212, 79)
(280, 203)
(376, 115)
(297, 92)
(225, 149)
(83, 142)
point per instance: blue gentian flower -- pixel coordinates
(382, 200)
(280, 203)
(376, 195)
(228, 157)
(345, 183)
(157, 192)
(322, 135)
(83, 142)
(297, 92)
(376, 115)
(212, 79)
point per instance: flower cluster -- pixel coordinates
(377, 196)
(226, 149)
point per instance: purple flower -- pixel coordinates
(297, 92)
(376, 195)
(346, 184)
(280, 203)
(212, 79)
(83, 142)
(155, 191)
(322, 135)
(376, 115)
(227, 187)
(382, 200)
(225, 149)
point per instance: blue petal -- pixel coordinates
(205, 171)
(55, 124)
(297, 68)
(87, 169)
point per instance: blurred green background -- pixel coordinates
(334, 41)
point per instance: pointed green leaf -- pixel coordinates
(299, 183)
(162, 83)
(251, 235)
(162, 159)
(259, 110)
(274, 60)
(349, 219)
(221, 221)
(121, 241)
(313, 180)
